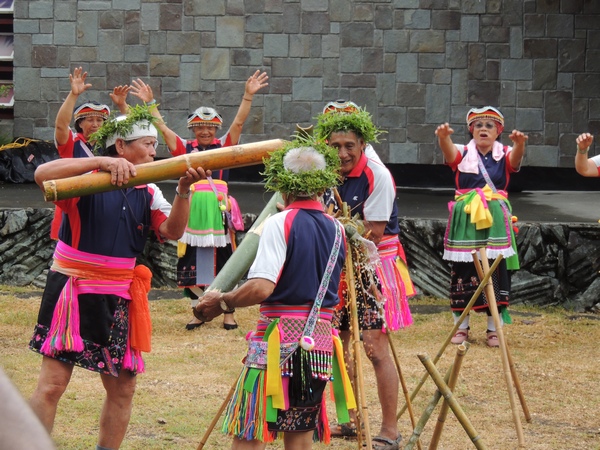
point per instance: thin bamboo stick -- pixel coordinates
(363, 408)
(452, 402)
(511, 363)
(213, 423)
(411, 413)
(439, 425)
(166, 169)
(452, 332)
(491, 298)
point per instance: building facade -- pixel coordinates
(412, 63)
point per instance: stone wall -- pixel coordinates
(559, 262)
(412, 63)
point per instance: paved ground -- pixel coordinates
(528, 206)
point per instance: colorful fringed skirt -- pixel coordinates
(280, 389)
(463, 236)
(104, 324)
(396, 285)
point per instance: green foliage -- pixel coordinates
(113, 127)
(359, 122)
(278, 179)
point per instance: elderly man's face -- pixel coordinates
(349, 147)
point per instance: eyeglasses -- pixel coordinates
(488, 125)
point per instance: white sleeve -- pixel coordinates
(272, 249)
(596, 160)
(372, 154)
(159, 202)
(378, 207)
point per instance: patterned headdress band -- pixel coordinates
(346, 106)
(205, 116)
(91, 109)
(487, 112)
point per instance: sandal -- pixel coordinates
(344, 430)
(460, 337)
(383, 443)
(492, 339)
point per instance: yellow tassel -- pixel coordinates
(339, 354)
(181, 246)
(274, 383)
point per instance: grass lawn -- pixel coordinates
(189, 373)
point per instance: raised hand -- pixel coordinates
(584, 140)
(142, 90)
(518, 137)
(119, 97)
(444, 131)
(256, 82)
(77, 80)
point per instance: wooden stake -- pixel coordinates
(439, 425)
(217, 416)
(166, 169)
(363, 408)
(511, 363)
(491, 298)
(452, 402)
(452, 332)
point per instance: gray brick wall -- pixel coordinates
(412, 63)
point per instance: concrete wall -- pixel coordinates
(412, 63)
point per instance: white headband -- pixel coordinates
(141, 129)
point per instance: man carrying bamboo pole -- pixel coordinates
(294, 351)
(369, 191)
(94, 311)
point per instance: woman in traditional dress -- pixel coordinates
(480, 215)
(209, 239)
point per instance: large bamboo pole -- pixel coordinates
(511, 363)
(166, 169)
(452, 402)
(439, 425)
(491, 298)
(453, 331)
(242, 258)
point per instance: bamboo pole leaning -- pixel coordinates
(452, 402)
(166, 169)
(453, 331)
(493, 306)
(411, 413)
(363, 410)
(427, 412)
(439, 425)
(511, 363)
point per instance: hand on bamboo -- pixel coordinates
(209, 306)
(142, 90)
(120, 169)
(191, 176)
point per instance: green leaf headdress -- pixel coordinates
(302, 168)
(139, 116)
(358, 121)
